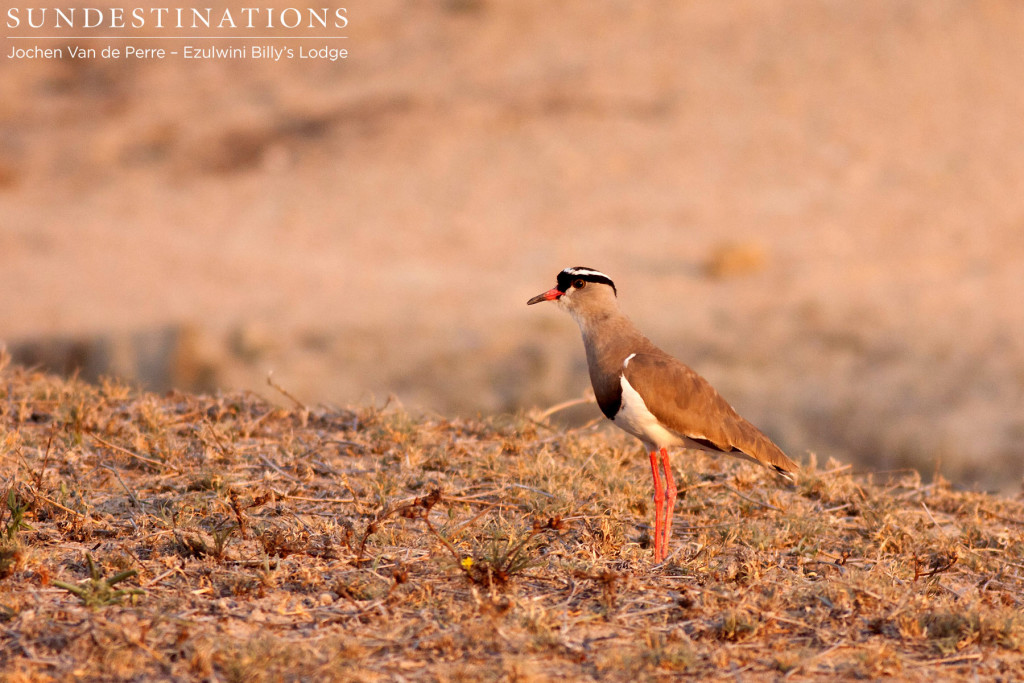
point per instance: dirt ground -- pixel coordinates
(222, 538)
(819, 206)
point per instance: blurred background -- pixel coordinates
(817, 205)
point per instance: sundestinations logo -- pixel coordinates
(76, 32)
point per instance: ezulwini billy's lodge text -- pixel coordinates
(272, 52)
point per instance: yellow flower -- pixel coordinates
(467, 563)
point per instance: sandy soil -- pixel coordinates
(820, 206)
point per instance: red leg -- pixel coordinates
(659, 512)
(670, 500)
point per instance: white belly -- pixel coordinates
(634, 418)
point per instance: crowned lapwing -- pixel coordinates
(653, 396)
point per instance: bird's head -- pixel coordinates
(581, 291)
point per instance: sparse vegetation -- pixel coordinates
(99, 591)
(224, 537)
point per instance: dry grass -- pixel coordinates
(224, 538)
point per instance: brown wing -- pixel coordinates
(684, 402)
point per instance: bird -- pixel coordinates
(653, 396)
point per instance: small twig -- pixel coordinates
(835, 565)
(150, 461)
(937, 566)
(671, 555)
(567, 404)
(163, 576)
(1002, 518)
(860, 589)
(370, 528)
(818, 656)
(530, 488)
(653, 610)
(769, 506)
(451, 548)
(701, 527)
(586, 426)
(317, 500)
(345, 442)
(239, 509)
(298, 404)
(791, 622)
(838, 470)
(420, 508)
(130, 493)
(914, 492)
(46, 458)
(485, 503)
(266, 461)
(949, 660)
(932, 517)
(470, 520)
(217, 441)
(54, 503)
(552, 523)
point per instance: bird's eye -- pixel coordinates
(579, 284)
